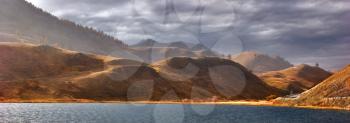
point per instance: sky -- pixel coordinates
(302, 31)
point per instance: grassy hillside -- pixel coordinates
(334, 91)
(217, 76)
(295, 79)
(44, 72)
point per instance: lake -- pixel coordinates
(163, 113)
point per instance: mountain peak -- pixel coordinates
(260, 63)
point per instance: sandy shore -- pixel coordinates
(236, 103)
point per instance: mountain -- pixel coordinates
(259, 63)
(152, 51)
(148, 43)
(295, 79)
(213, 76)
(21, 21)
(154, 54)
(199, 47)
(29, 72)
(153, 43)
(334, 91)
(179, 44)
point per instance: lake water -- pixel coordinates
(151, 113)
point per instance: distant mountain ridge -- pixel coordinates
(175, 44)
(150, 50)
(259, 63)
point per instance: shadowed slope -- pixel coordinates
(216, 76)
(19, 61)
(295, 79)
(30, 72)
(334, 91)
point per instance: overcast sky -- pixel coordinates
(303, 31)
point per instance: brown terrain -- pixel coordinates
(37, 72)
(214, 76)
(260, 63)
(296, 79)
(60, 61)
(332, 92)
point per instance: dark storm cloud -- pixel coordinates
(303, 31)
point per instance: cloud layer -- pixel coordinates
(303, 31)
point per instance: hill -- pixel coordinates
(332, 92)
(215, 76)
(30, 72)
(295, 79)
(21, 21)
(259, 63)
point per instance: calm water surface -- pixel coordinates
(129, 113)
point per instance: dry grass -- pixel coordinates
(32, 72)
(333, 92)
(297, 79)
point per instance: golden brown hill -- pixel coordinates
(30, 72)
(204, 77)
(295, 79)
(334, 91)
(18, 61)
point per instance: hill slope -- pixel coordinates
(22, 21)
(259, 63)
(214, 75)
(334, 91)
(42, 72)
(295, 79)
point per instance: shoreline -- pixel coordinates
(228, 103)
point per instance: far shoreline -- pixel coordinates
(261, 103)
